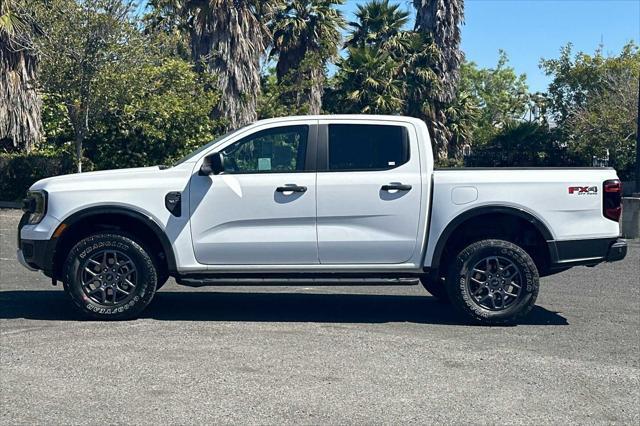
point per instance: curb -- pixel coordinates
(630, 221)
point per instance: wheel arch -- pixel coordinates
(134, 222)
(488, 214)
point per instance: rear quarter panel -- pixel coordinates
(543, 193)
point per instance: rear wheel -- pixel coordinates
(493, 282)
(109, 276)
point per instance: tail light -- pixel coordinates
(612, 202)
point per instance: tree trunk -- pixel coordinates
(440, 20)
(20, 102)
(303, 70)
(79, 140)
(78, 116)
(314, 95)
(228, 43)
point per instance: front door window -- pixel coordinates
(279, 150)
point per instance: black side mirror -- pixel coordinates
(212, 165)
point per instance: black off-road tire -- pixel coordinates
(140, 296)
(462, 266)
(436, 287)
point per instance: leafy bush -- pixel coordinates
(19, 171)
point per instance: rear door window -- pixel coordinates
(360, 147)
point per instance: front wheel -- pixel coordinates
(493, 282)
(109, 276)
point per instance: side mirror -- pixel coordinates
(212, 165)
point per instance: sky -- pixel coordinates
(529, 30)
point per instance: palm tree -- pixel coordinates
(306, 34)
(462, 116)
(368, 82)
(387, 66)
(378, 22)
(440, 20)
(382, 49)
(20, 102)
(418, 54)
(227, 38)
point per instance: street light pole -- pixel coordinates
(638, 145)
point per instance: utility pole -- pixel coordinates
(637, 192)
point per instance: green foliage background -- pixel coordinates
(129, 86)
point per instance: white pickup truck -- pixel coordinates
(320, 199)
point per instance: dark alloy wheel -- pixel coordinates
(110, 276)
(493, 282)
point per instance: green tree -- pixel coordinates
(152, 113)
(387, 70)
(368, 82)
(377, 23)
(416, 54)
(270, 103)
(167, 31)
(20, 102)
(440, 21)
(80, 40)
(576, 78)
(227, 39)
(462, 117)
(500, 94)
(306, 34)
(594, 101)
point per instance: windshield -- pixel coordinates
(205, 147)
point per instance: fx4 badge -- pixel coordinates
(583, 190)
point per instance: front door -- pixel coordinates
(262, 209)
(369, 193)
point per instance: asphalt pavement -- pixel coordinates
(302, 355)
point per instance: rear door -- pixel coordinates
(368, 192)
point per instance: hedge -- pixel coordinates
(19, 171)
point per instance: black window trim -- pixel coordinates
(310, 157)
(323, 147)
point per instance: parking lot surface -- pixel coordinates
(280, 354)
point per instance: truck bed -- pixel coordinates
(545, 194)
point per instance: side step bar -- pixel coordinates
(211, 281)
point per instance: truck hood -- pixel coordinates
(101, 179)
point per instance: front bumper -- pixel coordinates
(33, 254)
(23, 261)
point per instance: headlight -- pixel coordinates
(36, 205)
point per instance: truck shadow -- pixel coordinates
(263, 307)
